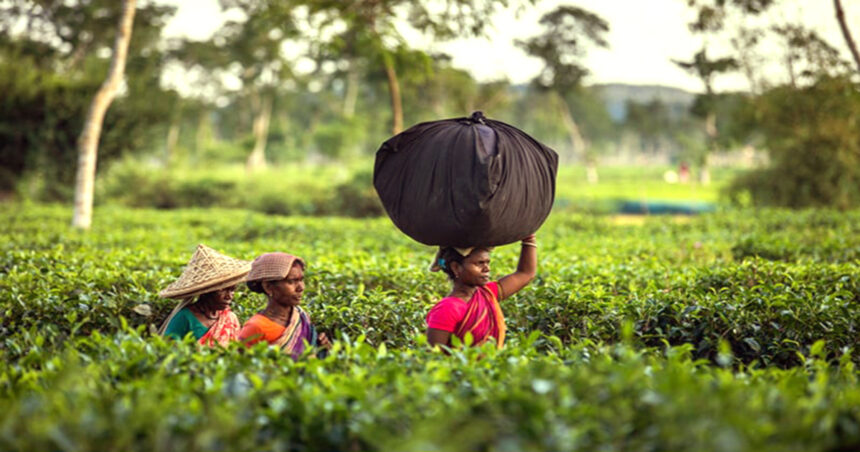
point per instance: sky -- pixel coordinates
(644, 36)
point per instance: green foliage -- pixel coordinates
(48, 76)
(339, 140)
(813, 138)
(769, 284)
(286, 190)
(126, 392)
(306, 189)
(729, 331)
(568, 31)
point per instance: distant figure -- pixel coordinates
(472, 306)
(684, 173)
(283, 323)
(206, 289)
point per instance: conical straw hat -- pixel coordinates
(207, 271)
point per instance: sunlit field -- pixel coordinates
(728, 330)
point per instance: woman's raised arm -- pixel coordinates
(526, 269)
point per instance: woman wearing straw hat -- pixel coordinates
(283, 323)
(206, 289)
(473, 307)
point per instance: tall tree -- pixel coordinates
(568, 33)
(50, 69)
(846, 33)
(249, 50)
(368, 30)
(89, 138)
(807, 55)
(706, 69)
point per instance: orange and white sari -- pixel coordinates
(225, 329)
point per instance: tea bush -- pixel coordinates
(127, 392)
(729, 331)
(769, 284)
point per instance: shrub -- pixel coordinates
(813, 138)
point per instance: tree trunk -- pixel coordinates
(789, 64)
(170, 144)
(705, 171)
(711, 132)
(257, 159)
(591, 172)
(577, 142)
(201, 136)
(840, 16)
(351, 95)
(88, 141)
(394, 92)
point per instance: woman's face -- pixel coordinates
(475, 269)
(220, 299)
(288, 291)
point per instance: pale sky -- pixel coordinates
(644, 36)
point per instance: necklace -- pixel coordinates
(206, 313)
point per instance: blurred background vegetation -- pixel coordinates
(230, 122)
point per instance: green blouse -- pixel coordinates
(183, 323)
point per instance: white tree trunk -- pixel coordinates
(257, 159)
(170, 144)
(89, 139)
(394, 92)
(705, 171)
(351, 95)
(711, 131)
(591, 173)
(201, 135)
(577, 142)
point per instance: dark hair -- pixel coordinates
(257, 286)
(447, 256)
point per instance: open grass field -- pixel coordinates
(730, 331)
(346, 190)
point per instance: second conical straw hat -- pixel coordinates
(207, 271)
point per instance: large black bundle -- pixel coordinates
(465, 182)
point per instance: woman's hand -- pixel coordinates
(323, 341)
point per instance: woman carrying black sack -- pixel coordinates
(472, 307)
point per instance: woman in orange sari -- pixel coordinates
(205, 289)
(472, 307)
(283, 323)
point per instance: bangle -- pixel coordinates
(531, 243)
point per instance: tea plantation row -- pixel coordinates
(769, 284)
(728, 332)
(132, 393)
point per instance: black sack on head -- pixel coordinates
(465, 182)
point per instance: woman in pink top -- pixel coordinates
(472, 307)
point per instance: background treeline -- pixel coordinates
(301, 85)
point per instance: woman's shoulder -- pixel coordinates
(494, 287)
(446, 313)
(185, 313)
(181, 323)
(451, 301)
(254, 326)
(449, 304)
(257, 321)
